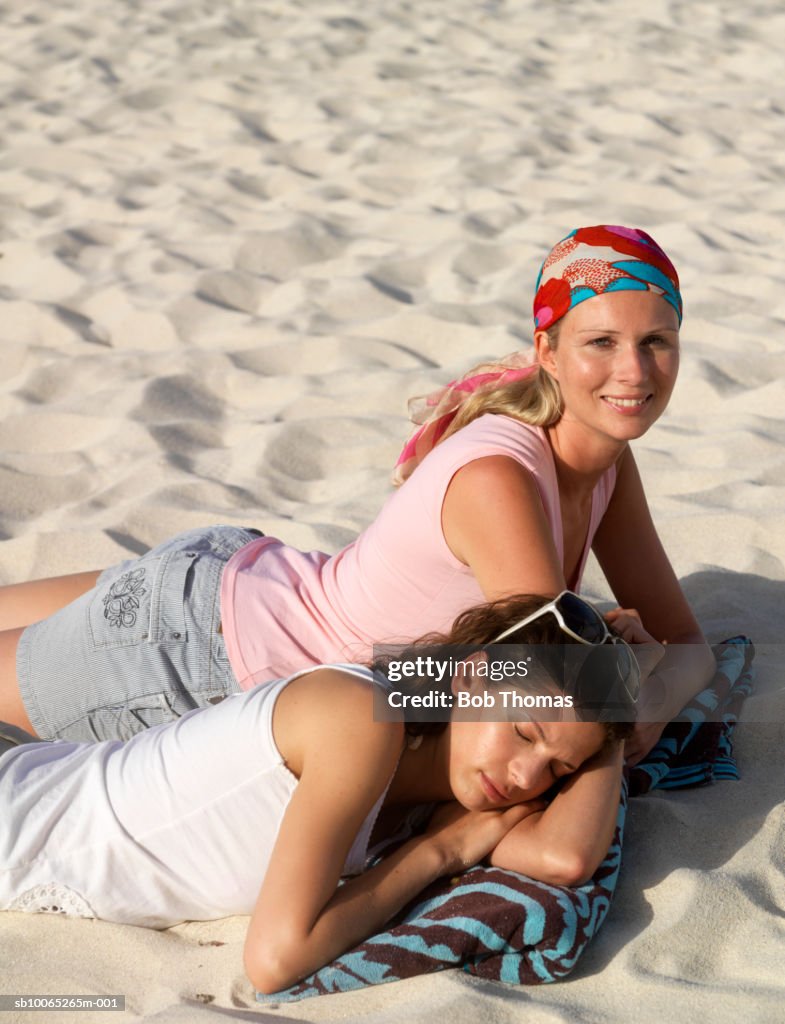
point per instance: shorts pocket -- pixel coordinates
(122, 721)
(144, 602)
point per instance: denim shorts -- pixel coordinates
(141, 648)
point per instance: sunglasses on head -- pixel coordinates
(581, 620)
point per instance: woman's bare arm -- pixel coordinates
(635, 564)
(300, 921)
(639, 573)
(494, 522)
(365, 903)
(566, 843)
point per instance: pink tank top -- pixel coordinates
(283, 609)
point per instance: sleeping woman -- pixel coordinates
(260, 805)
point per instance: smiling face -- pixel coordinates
(616, 362)
(498, 764)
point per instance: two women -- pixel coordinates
(517, 473)
(259, 805)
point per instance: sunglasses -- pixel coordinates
(581, 620)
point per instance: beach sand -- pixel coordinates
(236, 236)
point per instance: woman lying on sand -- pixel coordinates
(520, 470)
(259, 806)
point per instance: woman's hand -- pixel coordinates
(627, 623)
(464, 837)
(648, 652)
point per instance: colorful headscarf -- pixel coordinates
(588, 262)
(605, 258)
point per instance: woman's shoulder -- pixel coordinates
(339, 706)
(327, 682)
(499, 425)
(492, 434)
(495, 434)
(339, 688)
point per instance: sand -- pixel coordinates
(235, 237)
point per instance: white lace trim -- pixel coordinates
(52, 899)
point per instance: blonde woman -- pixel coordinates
(518, 470)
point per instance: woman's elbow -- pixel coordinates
(264, 973)
(266, 979)
(271, 968)
(571, 868)
(554, 867)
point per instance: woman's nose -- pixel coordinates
(529, 775)
(631, 366)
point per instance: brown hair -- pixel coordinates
(478, 627)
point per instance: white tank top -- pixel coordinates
(176, 824)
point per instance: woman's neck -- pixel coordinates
(581, 456)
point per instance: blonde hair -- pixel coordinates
(536, 400)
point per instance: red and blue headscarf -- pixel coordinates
(588, 262)
(605, 258)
